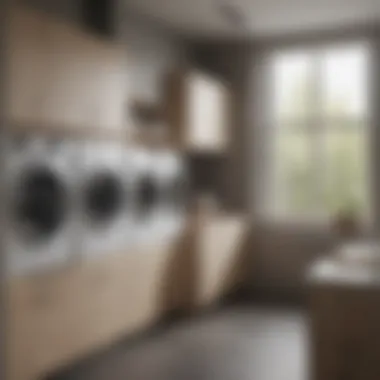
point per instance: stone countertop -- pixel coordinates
(354, 266)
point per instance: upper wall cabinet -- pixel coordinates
(61, 77)
(198, 110)
(88, 83)
(29, 66)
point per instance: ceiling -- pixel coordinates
(257, 17)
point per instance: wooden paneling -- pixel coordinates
(58, 318)
(345, 333)
(198, 109)
(209, 263)
(89, 82)
(70, 96)
(62, 77)
(29, 65)
(219, 248)
(206, 116)
(220, 245)
(63, 316)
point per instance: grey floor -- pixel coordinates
(239, 343)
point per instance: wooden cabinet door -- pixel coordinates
(206, 115)
(30, 64)
(39, 312)
(61, 77)
(110, 86)
(219, 246)
(70, 102)
(345, 333)
(88, 88)
(61, 317)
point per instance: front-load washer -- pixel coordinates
(105, 201)
(39, 195)
(172, 178)
(146, 197)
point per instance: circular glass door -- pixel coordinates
(103, 197)
(147, 196)
(41, 203)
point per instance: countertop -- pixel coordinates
(355, 265)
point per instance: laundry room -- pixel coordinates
(189, 190)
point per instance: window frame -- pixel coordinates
(314, 48)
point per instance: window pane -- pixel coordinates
(346, 170)
(295, 192)
(344, 81)
(292, 87)
(319, 109)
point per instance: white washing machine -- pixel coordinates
(39, 191)
(105, 200)
(159, 183)
(172, 178)
(146, 197)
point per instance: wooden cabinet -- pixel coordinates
(345, 331)
(88, 85)
(60, 317)
(209, 263)
(61, 77)
(70, 97)
(219, 246)
(30, 70)
(198, 109)
(110, 94)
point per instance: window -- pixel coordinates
(319, 124)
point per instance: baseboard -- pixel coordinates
(280, 295)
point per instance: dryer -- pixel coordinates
(172, 177)
(105, 201)
(146, 197)
(39, 192)
(160, 186)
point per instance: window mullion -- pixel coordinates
(318, 128)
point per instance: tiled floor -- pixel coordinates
(239, 343)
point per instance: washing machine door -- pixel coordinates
(175, 192)
(147, 196)
(41, 204)
(104, 197)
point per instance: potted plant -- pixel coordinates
(346, 221)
